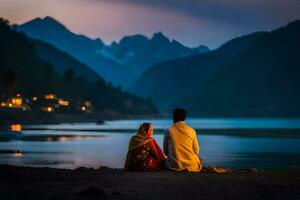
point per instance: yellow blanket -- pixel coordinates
(182, 148)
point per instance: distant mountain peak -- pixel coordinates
(159, 36)
(99, 42)
(159, 33)
(49, 18)
(52, 21)
(202, 49)
(133, 37)
(48, 21)
(295, 24)
(175, 42)
(37, 19)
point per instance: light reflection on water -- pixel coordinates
(72, 149)
(195, 123)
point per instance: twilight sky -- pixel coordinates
(191, 22)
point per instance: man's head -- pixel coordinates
(179, 115)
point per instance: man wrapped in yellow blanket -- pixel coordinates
(181, 145)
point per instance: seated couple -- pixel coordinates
(180, 147)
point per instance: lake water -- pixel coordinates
(68, 146)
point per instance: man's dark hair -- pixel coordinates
(179, 115)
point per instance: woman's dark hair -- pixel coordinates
(144, 129)
(146, 125)
(179, 114)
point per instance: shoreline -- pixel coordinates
(37, 118)
(106, 183)
(254, 132)
(40, 117)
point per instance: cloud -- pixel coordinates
(192, 22)
(231, 11)
(214, 21)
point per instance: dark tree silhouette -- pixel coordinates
(69, 74)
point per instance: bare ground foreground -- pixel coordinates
(47, 183)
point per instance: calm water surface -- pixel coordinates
(72, 149)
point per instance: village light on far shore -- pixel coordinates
(16, 127)
(48, 103)
(88, 104)
(63, 102)
(16, 101)
(62, 139)
(49, 109)
(18, 153)
(50, 96)
(13, 102)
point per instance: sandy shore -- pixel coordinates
(104, 183)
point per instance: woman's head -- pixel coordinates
(146, 130)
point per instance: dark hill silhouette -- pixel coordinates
(62, 61)
(22, 70)
(82, 48)
(252, 76)
(261, 81)
(176, 78)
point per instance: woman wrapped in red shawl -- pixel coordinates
(144, 154)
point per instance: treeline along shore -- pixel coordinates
(8, 117)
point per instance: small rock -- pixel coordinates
(253, 170)
(93, 190)
(81, 169)
(117, 193)
(103, 168)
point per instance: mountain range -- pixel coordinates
(80, 47)
(255, 75)
(32, 68)
(140, 53)
(250, 76)
(119, 63)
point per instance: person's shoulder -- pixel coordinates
(169, 129)
(192, 130)
(132, 138)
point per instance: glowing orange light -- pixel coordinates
(50, 96)
(18, 153)
(78, 137)
(16, 101)
(62, 139)
(63, 102)
(3, 104)
(87, 103)
(16, 127)
(49, 109)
